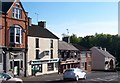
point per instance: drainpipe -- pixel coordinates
(4, 55)
(25, 58)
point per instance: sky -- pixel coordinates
(80, 18)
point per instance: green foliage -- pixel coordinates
(110, 42)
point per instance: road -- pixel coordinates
(93, 77)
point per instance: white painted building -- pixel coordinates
(42, 50)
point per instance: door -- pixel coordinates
(85, 65)
(16, 67)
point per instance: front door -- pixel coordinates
(16, 68)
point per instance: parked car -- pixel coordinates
(8, 77)
(74, 73)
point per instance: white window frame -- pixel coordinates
(20, 39)
(15, 35)
(18, 11)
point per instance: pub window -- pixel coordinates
(21, 64)
(37, 54)
(50, 67)
(51, 54)
(37, 43)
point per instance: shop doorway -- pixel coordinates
(16, 68)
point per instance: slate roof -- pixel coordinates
(37, 31)
(104, 53)
(6, 5)
(81, 48)
(66, 46)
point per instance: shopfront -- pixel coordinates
(39, 67)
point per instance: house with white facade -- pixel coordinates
(42, 50)
(102, 59)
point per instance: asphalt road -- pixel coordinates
(93, 77)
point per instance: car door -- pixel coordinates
(81, 73)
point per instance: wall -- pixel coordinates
(44, 45)
(98, 60)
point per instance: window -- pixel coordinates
(1, 57)
(21, 64)
(89, 63)
(51, 44)
(83, 64)
(17, 12)
(50, 66)
(11, 64)
(83, 54)
(46, 53)
(51, 54)
(88, 54)
(37, 43)
(16, 35)
(37, 54)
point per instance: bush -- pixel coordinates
(117, 68)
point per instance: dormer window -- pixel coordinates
(16, 35)
(17, 12)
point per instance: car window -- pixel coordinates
(1, 75)
(69, 70)
(4, 76)
(7, 76)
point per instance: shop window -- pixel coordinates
(50, 67)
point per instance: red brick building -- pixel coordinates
(13, 37)
(85, 58)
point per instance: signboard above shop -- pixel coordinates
(44, 61)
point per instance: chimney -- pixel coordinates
(104, 49)
(42, 24)
(100, 48)
(29, 21)
(66, 39)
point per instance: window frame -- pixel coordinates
(51, 43)
(17, 12)
(37, 42)
(37, 54)
(15, 35)
(50, 67)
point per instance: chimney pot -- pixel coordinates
(42, 24)
(104, 49)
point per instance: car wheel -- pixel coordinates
(19, 82)
(77, 78)
(84, 77)
(64, 79)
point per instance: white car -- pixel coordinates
(7, 77)
(74, 73)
